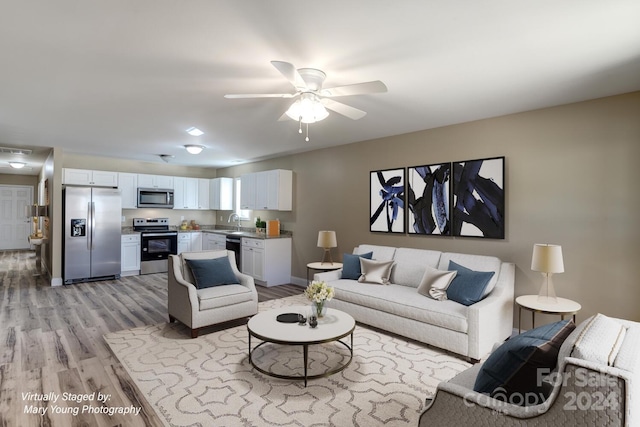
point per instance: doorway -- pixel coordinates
(15, 227)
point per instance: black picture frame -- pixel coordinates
(428, 199)
(387, 201)
(478, 198)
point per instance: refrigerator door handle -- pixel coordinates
(92, 224)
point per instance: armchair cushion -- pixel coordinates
(211, 272)
(468, 286)
(515, 367)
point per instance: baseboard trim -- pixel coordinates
(56, 281)
(299, 281)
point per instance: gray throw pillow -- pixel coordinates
(468, 286)
(211, 272)
(351, 265)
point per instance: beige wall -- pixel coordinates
(571, 179)
(8, 179)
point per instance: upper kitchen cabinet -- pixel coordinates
(248, 191)
(221, 194)
(203, 193)
(128, 186)
(185, 193)
(89, 177)
(274, 190)
(155, 181)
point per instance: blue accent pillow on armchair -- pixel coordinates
(468, 286)
(212, 272)
(351, 265)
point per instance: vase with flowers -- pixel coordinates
(319, 293)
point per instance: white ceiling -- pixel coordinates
(124, 79)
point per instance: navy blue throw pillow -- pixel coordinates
(351, 265)
(514, 371)
(468, 286)
(211, 272)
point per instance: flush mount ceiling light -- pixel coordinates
(193, 131)
(194, 149)
(17, 165)
(166, 157)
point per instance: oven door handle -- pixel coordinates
(170, 233)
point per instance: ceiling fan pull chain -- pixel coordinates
(300, 125)
(307, 138)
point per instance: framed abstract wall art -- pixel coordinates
(428, 190)
(478, 198)
(386, 206)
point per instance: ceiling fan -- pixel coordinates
(312, 98)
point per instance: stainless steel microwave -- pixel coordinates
(155, 198)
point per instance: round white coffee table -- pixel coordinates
(334, 326)
(560, 306)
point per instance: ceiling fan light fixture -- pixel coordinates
(194, 149)
(307, 109)
(17, 165)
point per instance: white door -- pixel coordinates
(15, 227)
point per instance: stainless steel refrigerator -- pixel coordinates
(92, 230)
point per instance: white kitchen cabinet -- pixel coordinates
(89, 177)
(203, 193)
(214, 242)
(248, 191)
(128, 186)
(268, 261)
(130, 255)
(190, 241)
(185, 193)
(268, 190)
(155, 181)
(221, 194)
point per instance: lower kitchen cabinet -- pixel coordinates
(268, 261)
(190, 241)
(130, 255)
(214, 242)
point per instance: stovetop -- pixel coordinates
(151, 224)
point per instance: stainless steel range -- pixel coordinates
(158, 242)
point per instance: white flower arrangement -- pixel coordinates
(319, 292)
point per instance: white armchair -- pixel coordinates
(197, 308)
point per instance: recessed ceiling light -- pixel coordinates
(194, 149)
(194, 131)
(17, 165)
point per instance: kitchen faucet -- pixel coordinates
(235, 217)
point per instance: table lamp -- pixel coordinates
(35, 212)
(327, 240)
(547, 259)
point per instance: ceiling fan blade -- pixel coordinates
(355, 89)
(290, 72)
(260, 95)
(344, 109)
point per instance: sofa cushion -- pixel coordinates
(380, 253)
(351, 265)
(222, 296)
(600, 340)
(513, 370)
(211, 272)
(377, 272)
(435, 283)
(474, 262)
(405, 302)
(411, 265)
(468, 285)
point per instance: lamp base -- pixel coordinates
(327, 254)
(547, 292)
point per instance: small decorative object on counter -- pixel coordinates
(319, 293)
(273, 228)
(194, 226)
(260, 226)
(184, 225)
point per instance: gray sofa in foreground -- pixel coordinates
(470, 331)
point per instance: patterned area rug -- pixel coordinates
(209, 381)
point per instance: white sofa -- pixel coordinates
(585, 390)
(470, 331)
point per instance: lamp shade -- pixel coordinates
(327, 239)
(307, 109)
(547, 258)
(35, 210)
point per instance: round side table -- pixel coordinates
(563, 307)
(323, 266)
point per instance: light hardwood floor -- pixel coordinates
(51, 342)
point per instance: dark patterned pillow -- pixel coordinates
(516, 368)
